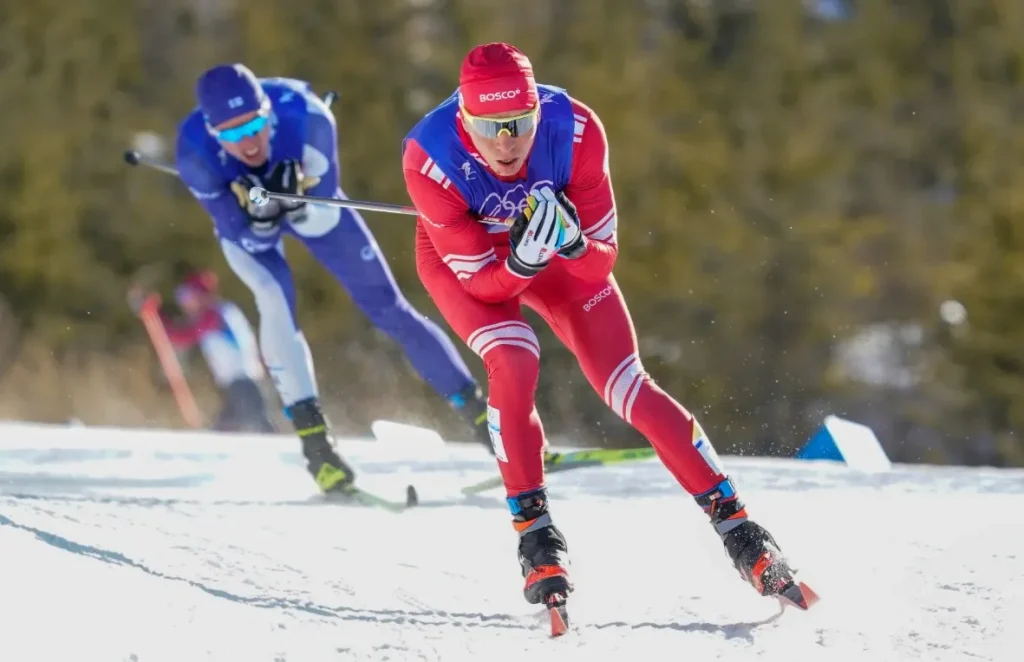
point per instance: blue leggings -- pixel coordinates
(341, 242)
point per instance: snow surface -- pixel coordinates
(141, 545)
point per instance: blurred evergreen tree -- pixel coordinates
(787, 184)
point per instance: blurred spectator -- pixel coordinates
(226, 339)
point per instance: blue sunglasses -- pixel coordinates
(238, 133)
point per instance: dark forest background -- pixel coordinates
(808, 204)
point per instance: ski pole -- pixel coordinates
(150, 316)
(261, 196)
(131, 157)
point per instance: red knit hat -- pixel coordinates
(497, 78)
(202, 282)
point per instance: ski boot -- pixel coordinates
(753, 551)
(472, 406)
(331, 473)
(543, 557)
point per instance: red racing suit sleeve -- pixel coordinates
(459, 238)
(590, 190)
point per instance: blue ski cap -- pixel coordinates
(229, 90)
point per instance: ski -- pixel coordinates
(569, 460)
(595, 457)
(558, 614)
(799, 595)
(391, 431)
(359, 495)
(554, 462)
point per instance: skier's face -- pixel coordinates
(191, 302)
(504, 140)
(246, 138)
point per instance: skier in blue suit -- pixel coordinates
(277, 134)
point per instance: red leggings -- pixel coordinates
(592, 320)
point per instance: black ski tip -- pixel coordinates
(131, 157)
(411, 497)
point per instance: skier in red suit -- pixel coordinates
(504, 151)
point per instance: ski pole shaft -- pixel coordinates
(169, 362)
(261, 196)
(131, 157)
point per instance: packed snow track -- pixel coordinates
(145, 546)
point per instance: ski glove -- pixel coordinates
(287, 177)
(284, 177)
(575, 242)
(138, 297)
(541, 230)
(262, 219)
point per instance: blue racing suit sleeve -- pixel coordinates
(322, 137)
(208, 187)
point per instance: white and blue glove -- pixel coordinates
(543, 229)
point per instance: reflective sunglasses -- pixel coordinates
(238, 133)
(515, 126)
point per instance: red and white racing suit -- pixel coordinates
(462, 266)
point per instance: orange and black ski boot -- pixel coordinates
(753, 550)
(543, 556)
